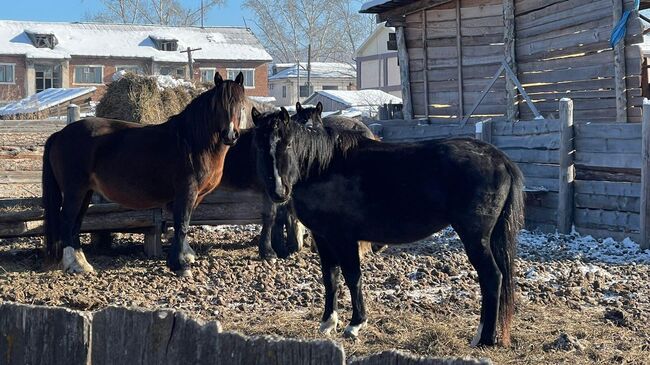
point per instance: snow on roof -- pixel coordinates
(132, 41)
(263, 99)
(318, 70)
(372, 3)
(44, 99)
(358, 98)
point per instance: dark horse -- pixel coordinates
(312, 117)
(173, 164)
(347, 188)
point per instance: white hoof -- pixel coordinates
(74, 261)
(353, 331)
(329, 325)
(188, 255)
(477, 338)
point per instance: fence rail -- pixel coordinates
(58, 336)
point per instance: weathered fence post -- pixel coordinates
(484, 130)
(153, 237)
(645, 176)
(567, 170)
(73, 113)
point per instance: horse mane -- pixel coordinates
(199, 123)
(315, 149)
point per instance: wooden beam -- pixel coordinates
(425, 69)
(645, 177)
(459, 58)
(619, 68)
(403, 57)
(567, 169)
(512, 106)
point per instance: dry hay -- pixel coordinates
(140, 99)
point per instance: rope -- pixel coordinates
(618, 33)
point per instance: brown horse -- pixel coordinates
(173, 164)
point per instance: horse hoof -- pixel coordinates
(479, 341)
(270, 256)
(188, 257)
(352, 331)
(74, 261)
(329, 325)
(184, 273)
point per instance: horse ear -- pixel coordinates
(255, 115)
(319, 107)
(217, 79)
(285, 116)
(240, 78)
(298, 106)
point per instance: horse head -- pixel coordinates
(277, 164)
(310, 116)
(229, 104)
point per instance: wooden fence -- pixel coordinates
(591, 176)
(59, 336)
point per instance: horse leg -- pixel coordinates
(351, 267)
(80, 216)
(477, 246)
(295, 232)
(179, 258)
(330, 272)
(269, 210)
(72, 211)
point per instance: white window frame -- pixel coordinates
(236, 71)
(74, 75)
(141, 68)
(13, 74)
(214, 72)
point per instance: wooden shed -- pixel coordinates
(449, 50)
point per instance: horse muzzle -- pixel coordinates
(229, 137)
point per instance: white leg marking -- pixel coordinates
(278, 181)
(74, 261)
(329, 325)
(353, 331)
(187, 254)
(477, 338)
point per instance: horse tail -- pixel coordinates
(52, 201)
(504, 247)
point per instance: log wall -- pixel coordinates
(49, 335)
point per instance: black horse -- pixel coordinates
(173, 164)
(312, 117)
(347, 188)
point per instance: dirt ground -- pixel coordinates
(576, 302)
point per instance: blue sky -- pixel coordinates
(75, 10)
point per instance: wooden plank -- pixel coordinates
(619, 160)
(403, 56)
(605, 233)
(619, 67)
(522, 128)
(574, 74)
(608, 202)
(512, 108)
(626, 189)
(606, 219)
(542, 141)
(533, 156)
(550, 184)
(539, 170)
(426, 55)
(608, 130)
(567, 169)
(541, 215)
(608, 145)
(459, 49)
(645, 177)
(577, 23)
(608, 174)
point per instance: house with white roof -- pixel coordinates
(367, 102)
(35, 56)
(377, 65)
(288, 81)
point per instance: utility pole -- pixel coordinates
(309, 69)
(298, 73)
(189, 60)
(201, 13)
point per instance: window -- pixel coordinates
(169, 46)
(249, 75)
(284, 91)
(271, 87)
(88, 74)
(305, 91)
(173, 71)
(138, 70)
(47, 76)
(207, 75)
(330, 87)
(7, 71)
(42, 40)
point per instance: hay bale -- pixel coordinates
(145, 99)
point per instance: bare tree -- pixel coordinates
(164, 12)
(334, 28)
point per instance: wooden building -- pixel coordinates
(449, 50)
